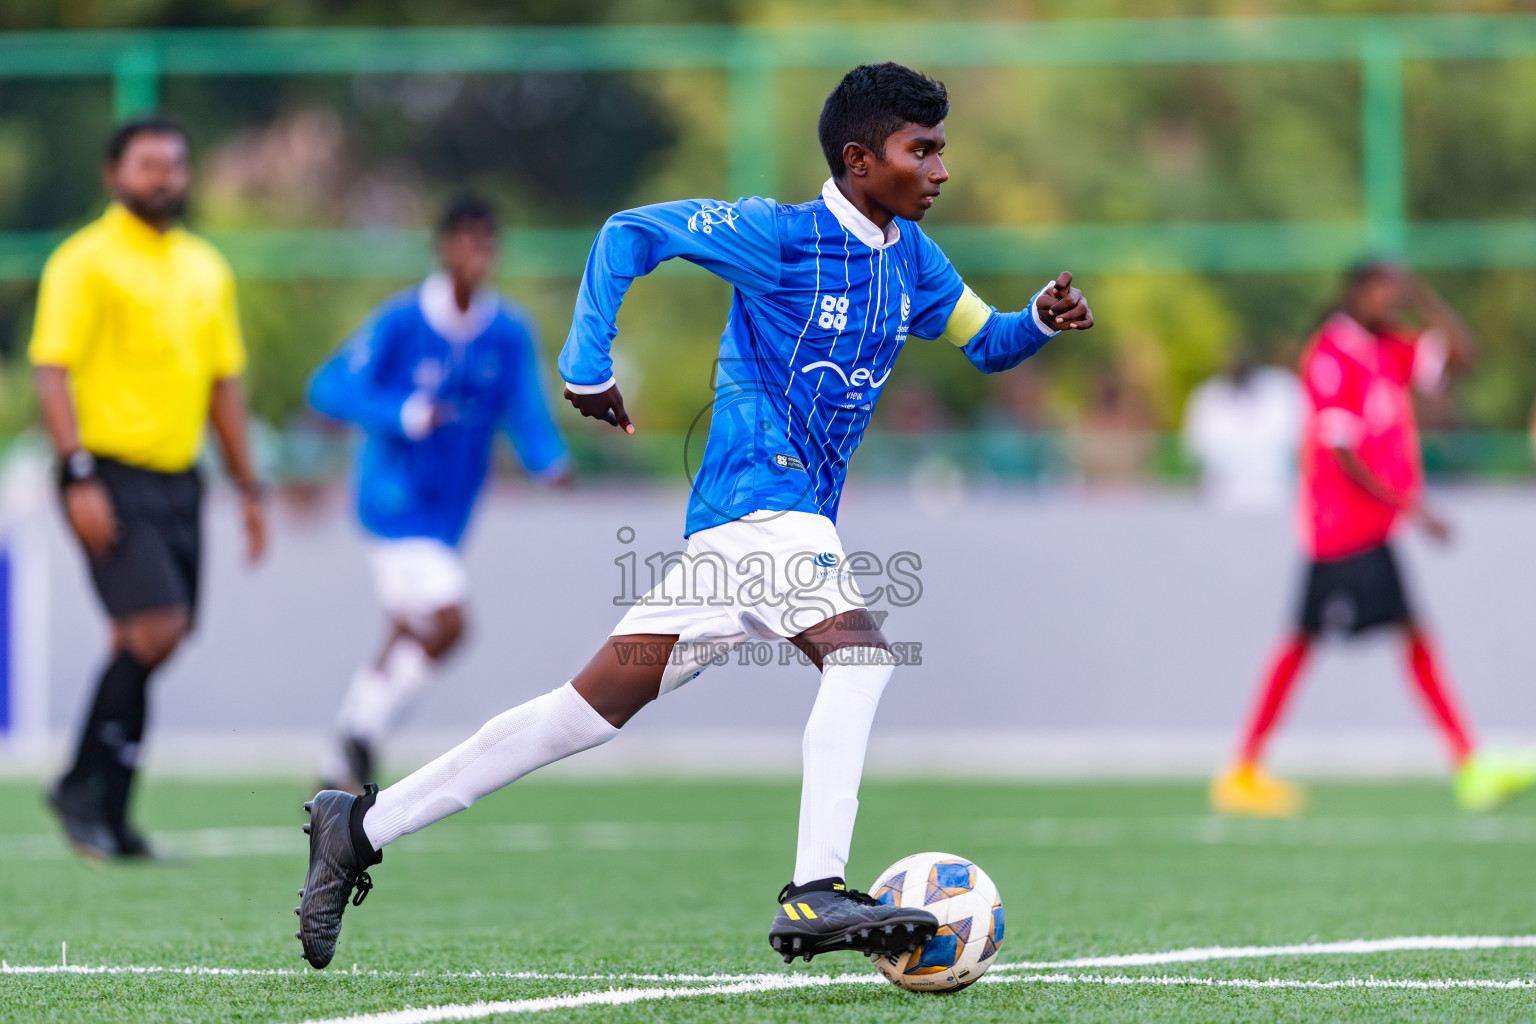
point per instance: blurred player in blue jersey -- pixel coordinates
(826, 294)
(431, 378)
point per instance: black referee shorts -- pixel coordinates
(155, 561)
(1354, 594)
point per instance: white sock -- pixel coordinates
(506, 748)
(852, 679)
(378, 697)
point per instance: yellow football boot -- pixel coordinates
(1249, 789)
(1488, 778)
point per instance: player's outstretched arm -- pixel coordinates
(995, 341)
(1438, 316)
(346, 388)
(738, 242)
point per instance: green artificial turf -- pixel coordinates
(680, 878)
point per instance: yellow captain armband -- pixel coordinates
(966, 320)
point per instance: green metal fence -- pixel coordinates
(752, 57)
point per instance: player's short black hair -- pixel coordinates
(148, 124)
(871, 103)
(464, 209)
(1369, 269)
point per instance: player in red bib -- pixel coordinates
(1361, 477)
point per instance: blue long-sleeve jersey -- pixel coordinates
(824, 301)
(414, 478)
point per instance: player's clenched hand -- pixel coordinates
(1062, 307)
(89, 509)
(1438, 529)
(605, 405)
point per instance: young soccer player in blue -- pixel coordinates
(826, 293)
(431, 378)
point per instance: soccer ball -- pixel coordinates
(970, 914)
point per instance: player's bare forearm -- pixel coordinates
(87, 505)
(1062, 307)
(1438, 314)
(1355, 468)
(58, 408)
(227, 413)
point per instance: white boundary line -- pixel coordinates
(1194, 954)
(1430, 984)
(620, 997)
(743, 984)
(1352, 947)
(612, 997)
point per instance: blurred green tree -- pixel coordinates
(1040, 146)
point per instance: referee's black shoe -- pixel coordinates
(339, 858)
(82, 814)
(826, 915)
(131, 845)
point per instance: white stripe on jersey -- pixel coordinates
(789, 370)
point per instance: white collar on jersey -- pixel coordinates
(443, 315)
(858, 225)
(1352, 337)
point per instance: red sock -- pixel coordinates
(1439, 696)
(1283, 670)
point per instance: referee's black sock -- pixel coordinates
(109, 744)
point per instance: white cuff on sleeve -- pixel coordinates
(416, 415)
(589, 389)
(1034, 310)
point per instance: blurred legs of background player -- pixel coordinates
(1362, 478)
(421, 584)
(1355, 595)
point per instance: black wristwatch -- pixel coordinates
(77, 466)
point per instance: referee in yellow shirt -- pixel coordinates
(136, 348)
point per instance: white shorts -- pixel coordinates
(770, 575)
(416, 577)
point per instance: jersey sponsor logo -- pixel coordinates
(834, 313)
(861, 376)
(906, 314)
(784, 461)
(705, 221)
(826, 559)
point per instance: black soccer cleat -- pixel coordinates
(339, 858)
(832, 917)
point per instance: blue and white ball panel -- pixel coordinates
(970, 915)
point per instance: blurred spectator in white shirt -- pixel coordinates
(1242, 428)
